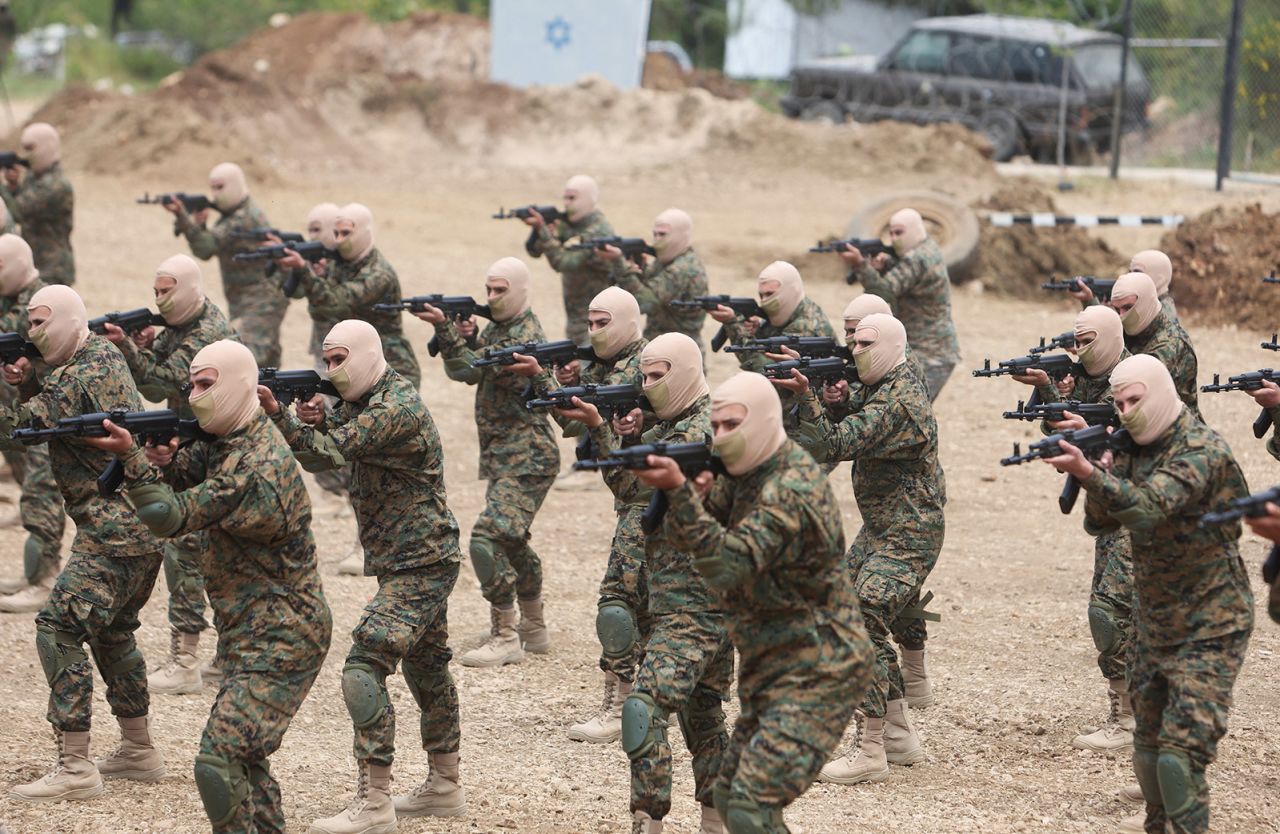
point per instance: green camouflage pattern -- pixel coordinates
(807, 320)
(163, 371)
(407, 620)
(44, 205)
(583, 274)
(918, 290)
(1167, 341)
(1169, 308)
(510, 503)
(626, 579)
(773, 541)
(397, 474)
(658, 284)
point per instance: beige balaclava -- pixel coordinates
(914, 232)
(186, 299)
(65, 330)
(1144, 312)
(587, 193)
(1102, 354)
(1156, 264)
(761, 433)
(233, 190)
(624, 321)
(684, 383)
(359, 243)
(17, 268)
(1160, 404)
(863, 306)
(781, 306)
(320, 222)
(44, 144)
(364, 364)
(231, 403)
(679, 227)
(516, 299)
(888, 351)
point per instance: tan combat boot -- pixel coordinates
(30, 598)
(13, 584)
(1116, 734)
(74, 777)
(915, 676)
(1132, 795)
(370, 811)
(532, 629)
(869, 764)
(901, 744)
(211, 674)
(503, 645)
(136, 758)
(441, 795)
(353, 563)
(711, 822)
(642, 823)
(1136, 824)
(606, 726)
(180, 674)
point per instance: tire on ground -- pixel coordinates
(950, 222)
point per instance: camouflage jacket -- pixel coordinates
(807, 320)
(13, 308)
(43, 205)
(583, 266)
(513, 439)
(259, 570)
(1087, 389)
(397, 474)
(348, 290)
(919, 292)
(674, 586)
(1189, 580)
(163, 371)
(1167, 341)
(238, 277)
(660, 284)
(94, 379)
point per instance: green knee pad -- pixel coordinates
(157, 508)
(58, 650)
(1103, 626)
(32, 551)
(119, 661)
(1144, 767)
(1177, 782)
(482, 559)
(365, 692)
(616, 628)
(745, 816)
(223, 786)
(644, 725)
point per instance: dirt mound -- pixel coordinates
(1219, 259)
(1016, 261)
(662, 72)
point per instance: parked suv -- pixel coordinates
(1001, 76)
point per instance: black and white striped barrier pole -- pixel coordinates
(1005, 219)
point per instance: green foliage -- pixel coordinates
(700, 26)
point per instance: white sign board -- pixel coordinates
(559, 41)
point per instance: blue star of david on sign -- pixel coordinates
(558, 32)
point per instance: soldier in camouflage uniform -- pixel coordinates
(42, 202)
(113, 564)
(892, 439)
(1268, 526)
(623, 621)
(1194, 607)
(519, 458)
(40, 506)
(244, 488)
(918, 290)
(790, 313)
(583, 274)
(1149, 330)
(767, 539)
(383, 429)
(255, 301)
(677, 274)
(320, 222)
(1153, 262)
(161, 367)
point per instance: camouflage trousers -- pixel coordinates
(1181, 695)
(687, 670)
(407, 620)
(626, 580)
(185, 581)
(1112, 591)
(797, 688)
(95, 600)
(41, 510)
(936, 374)
(577, 294)
(256, 312)
(248, 720)
(510, 505)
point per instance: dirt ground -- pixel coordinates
(1012, 661)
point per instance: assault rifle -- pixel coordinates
(820, 371)
(1252, 506)
(742, 306)
(1095, 414)
(1065, 341)
(550, 214)
(10, 159)
(869, 249)
(130, 321)
(692, 458)
(13, 347)
(1101, 287)
(191, 203)
(289, 386)
(609, 400)
(1251, 381)
(632, 247)
(1057, 366)
(1274, 344)
(1091, 441)
(310, 250)
(456, 307)
(814, 347)
(1273, 278)
(263, 234)
(555, 354)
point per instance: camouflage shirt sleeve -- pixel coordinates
(379, 427)
(204, 242)
(1168, 492)
(563, 260)
(38, 197)
(751, 546)
(895, 281)
(153, 374)
(336, 299)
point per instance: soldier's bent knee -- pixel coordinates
(1104, 627)
(745, 816)
(1145, 768)
(644, 725)
(58, 650)
(1177, 782)
(365, 692)
(32, 553)
(223, 786)
(119, 660)
(616, 628)
(482, 559)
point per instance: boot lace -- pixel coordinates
(852, 750)
(175, 644)
(1113, 719)
(610, 694)
(428, 786)
(362, 794)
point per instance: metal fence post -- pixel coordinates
(1229, 83)
(1122, 102)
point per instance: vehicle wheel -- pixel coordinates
(823, 111)
(950, 222)
(1003, 132)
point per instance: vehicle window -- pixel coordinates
(1032, 63)
(1099, 66)
(922, 52)
(973, 56)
